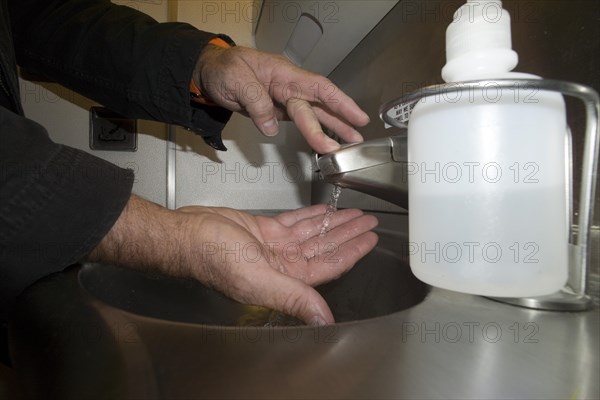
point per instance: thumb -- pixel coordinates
(301, 301)
(290, 296)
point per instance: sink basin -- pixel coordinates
(101, 331)
(379, 284)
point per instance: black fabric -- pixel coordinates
(4, 355)
(117, 56)
(4, 97)
(56, 202)
(9, 94)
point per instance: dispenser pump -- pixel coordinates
(478, 42)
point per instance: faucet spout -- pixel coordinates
(376, 167)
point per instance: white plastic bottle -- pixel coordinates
(487, 202)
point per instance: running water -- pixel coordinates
(331, 208)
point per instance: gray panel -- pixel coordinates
(344, 24)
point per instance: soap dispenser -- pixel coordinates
(487, 179)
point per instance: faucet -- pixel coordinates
(376, 167)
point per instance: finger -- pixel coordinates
(331, 255)
(303, 302)
(291, 217)
(311, 227)
(335, 261)
(344, 228)
(255, 100)
(342, 231)
(339, 102)
(337, 125)
(312, 87)
(301, 112)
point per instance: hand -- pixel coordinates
(269, 88)
(271, 262)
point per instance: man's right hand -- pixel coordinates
(268, 87)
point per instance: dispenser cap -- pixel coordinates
(478, 42)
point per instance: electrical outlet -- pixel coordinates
(112, 131)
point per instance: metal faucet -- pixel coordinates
(377, 167)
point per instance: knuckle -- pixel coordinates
(261, 109)
(295, 106)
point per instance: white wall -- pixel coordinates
(256, 172)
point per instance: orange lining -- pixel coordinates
(195, 92)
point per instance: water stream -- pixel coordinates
(331, 209)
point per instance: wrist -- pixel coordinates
(198, 87)
(144, 237)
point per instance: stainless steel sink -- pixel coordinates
(379, 284)
(100, 332)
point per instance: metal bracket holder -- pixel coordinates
(573, 296)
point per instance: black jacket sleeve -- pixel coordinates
(117, 56)
(56, 202)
